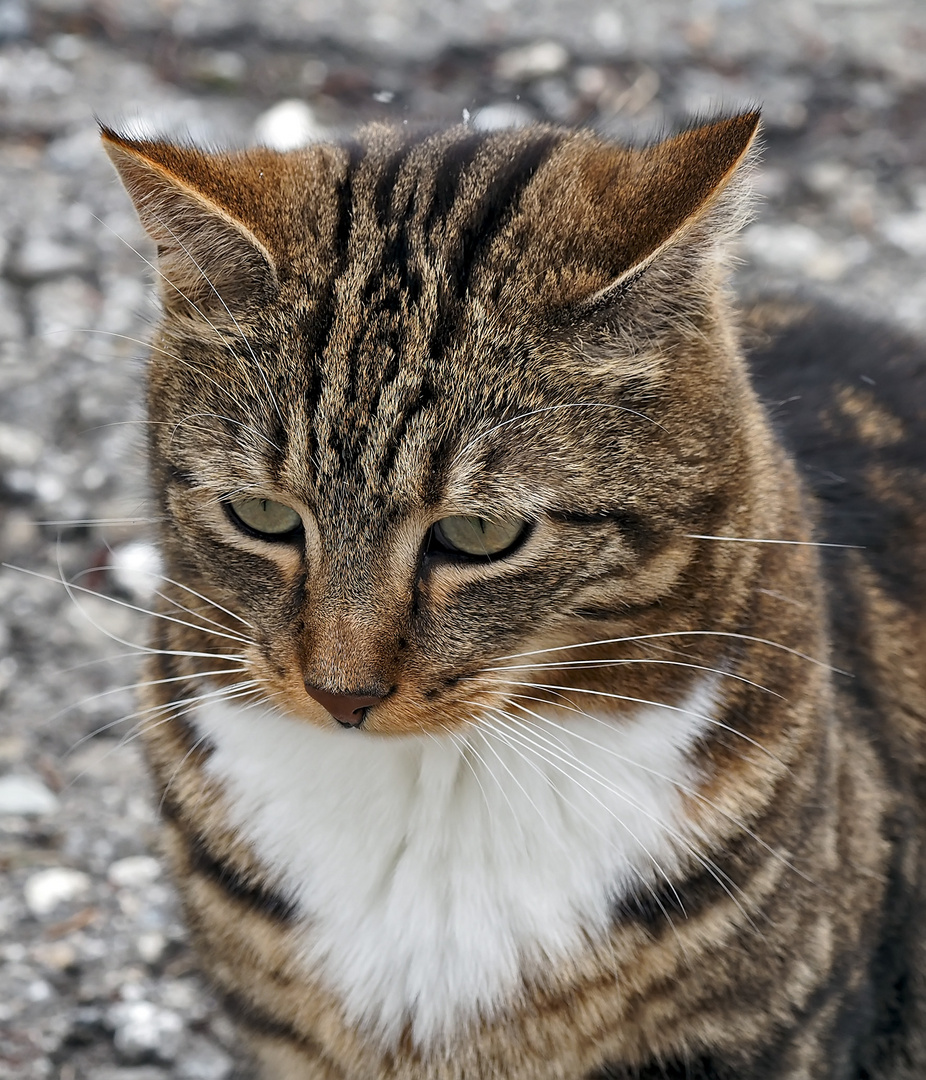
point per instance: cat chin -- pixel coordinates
(433, 874)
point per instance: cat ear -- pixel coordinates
(211, 264)
(621, 209)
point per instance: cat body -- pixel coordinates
(496, 694)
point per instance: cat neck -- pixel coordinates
(432, 873)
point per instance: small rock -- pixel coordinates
(151, 946)
(907, 232)
(502, 114)
(38, 991)
(534, 61)
(287, 126)
(57, 955)
(204, 1061)
(25, 795)
(135, 568)
(50, 888)
(142, 1031)
(14, 19)
(134, 872)
(19, 446)
(41, 257)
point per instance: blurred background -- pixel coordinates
(95, 977)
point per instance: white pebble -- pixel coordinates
(50, 888)
(41, 257)
(287, 126)
(532, 61)
(502, 114)
(141, 1030)
(25, 795)
(134, 872)
(136, 568)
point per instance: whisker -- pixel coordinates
(582, 664)
(678, 633)
(592, 774)
(684, 788)
(171, 706)
(657, 704)
(138, 686)
(758, 540)
(101, 521)
(515, 740)
(171, 709)
(69, 588)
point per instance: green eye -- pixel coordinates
(268, 519)
(477, 537)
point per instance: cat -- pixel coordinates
(509, 713)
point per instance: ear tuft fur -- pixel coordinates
(212, 265)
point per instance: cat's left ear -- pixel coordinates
(619, 210)
(211, 263)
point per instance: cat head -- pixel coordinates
(423, 405)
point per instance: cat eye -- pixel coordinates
(264, 518)
(477, 537)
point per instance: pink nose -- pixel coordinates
(348, 709)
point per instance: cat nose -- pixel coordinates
(348, 709)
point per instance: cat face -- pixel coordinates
(423, 407)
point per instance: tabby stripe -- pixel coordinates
(205, 862)
(453, 166)
(260, 1023)
(178, 476)
(497, 206)
(424, 399)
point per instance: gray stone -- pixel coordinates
(143, 1031)
(134, 872)
(41, 257)
(49, 889)
(203, 1060)
(27, 796)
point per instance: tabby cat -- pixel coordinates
(509, 714)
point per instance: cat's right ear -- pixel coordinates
(212, 266)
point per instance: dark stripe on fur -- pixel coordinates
(259, 1023)
(205, 862)
(497, 206)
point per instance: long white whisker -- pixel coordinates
(170, 706)
(758, 540)
(582, 664)
(677, 633)
(138, 686)
(515, 740)
(592, 774)
(71, 588)
(562, 690)
(684, 788)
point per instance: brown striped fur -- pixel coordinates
(343, 327)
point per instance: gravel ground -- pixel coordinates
(96, 980)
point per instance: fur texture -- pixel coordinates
(605, 806)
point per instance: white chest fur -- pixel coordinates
(431, 873)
